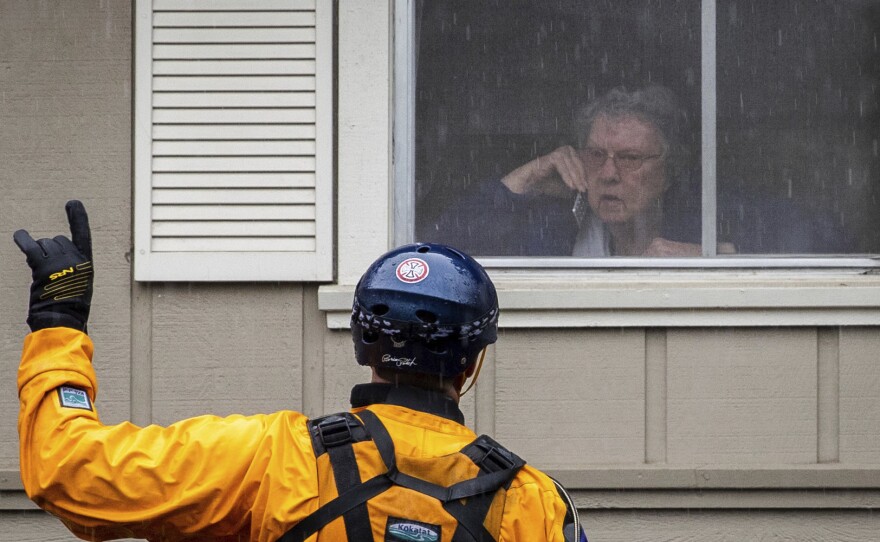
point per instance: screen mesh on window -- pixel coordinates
(573, 128)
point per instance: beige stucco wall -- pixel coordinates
(704, 434)
(65, 100)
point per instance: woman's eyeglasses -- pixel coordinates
(595, 158)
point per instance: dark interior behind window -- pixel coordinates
(498, 83)
(798, 118)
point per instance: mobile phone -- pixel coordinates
(580, 209)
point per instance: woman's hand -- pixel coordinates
(661, 247)
(543, 174)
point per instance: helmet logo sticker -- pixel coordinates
(412, 270)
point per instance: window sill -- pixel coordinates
(812, 476)
(565, 298)
(667, 487)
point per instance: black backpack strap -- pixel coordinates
(493, 459)
(498, 466)
(335, 430)
(335, 435)
(470, 516)
(337, 507)
(491, 456)
(380, 437)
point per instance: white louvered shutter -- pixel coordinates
(233, 140)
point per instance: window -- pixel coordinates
(775, 155)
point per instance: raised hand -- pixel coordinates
(61, 268)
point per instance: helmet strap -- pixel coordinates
(476, 373)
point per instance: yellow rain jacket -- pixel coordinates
(239, 478)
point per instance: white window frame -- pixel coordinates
(564, 292)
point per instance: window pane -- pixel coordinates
(798, 125)
(500, 83)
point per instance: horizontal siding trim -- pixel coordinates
(16, 500)
(612, 318)
(233, 266)
(618, 477)
(659, 487)
(669, 477)
(749, 502)
(719, 301)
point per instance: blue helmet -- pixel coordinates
(424, 308)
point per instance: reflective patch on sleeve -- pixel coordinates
(71, 397)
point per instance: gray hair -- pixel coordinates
(654, 104)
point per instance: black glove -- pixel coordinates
(61, 292)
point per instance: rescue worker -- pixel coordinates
(401, 465)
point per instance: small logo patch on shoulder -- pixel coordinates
(408, 530)
(71, 397)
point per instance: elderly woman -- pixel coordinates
(610, 196)
(629, 151)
